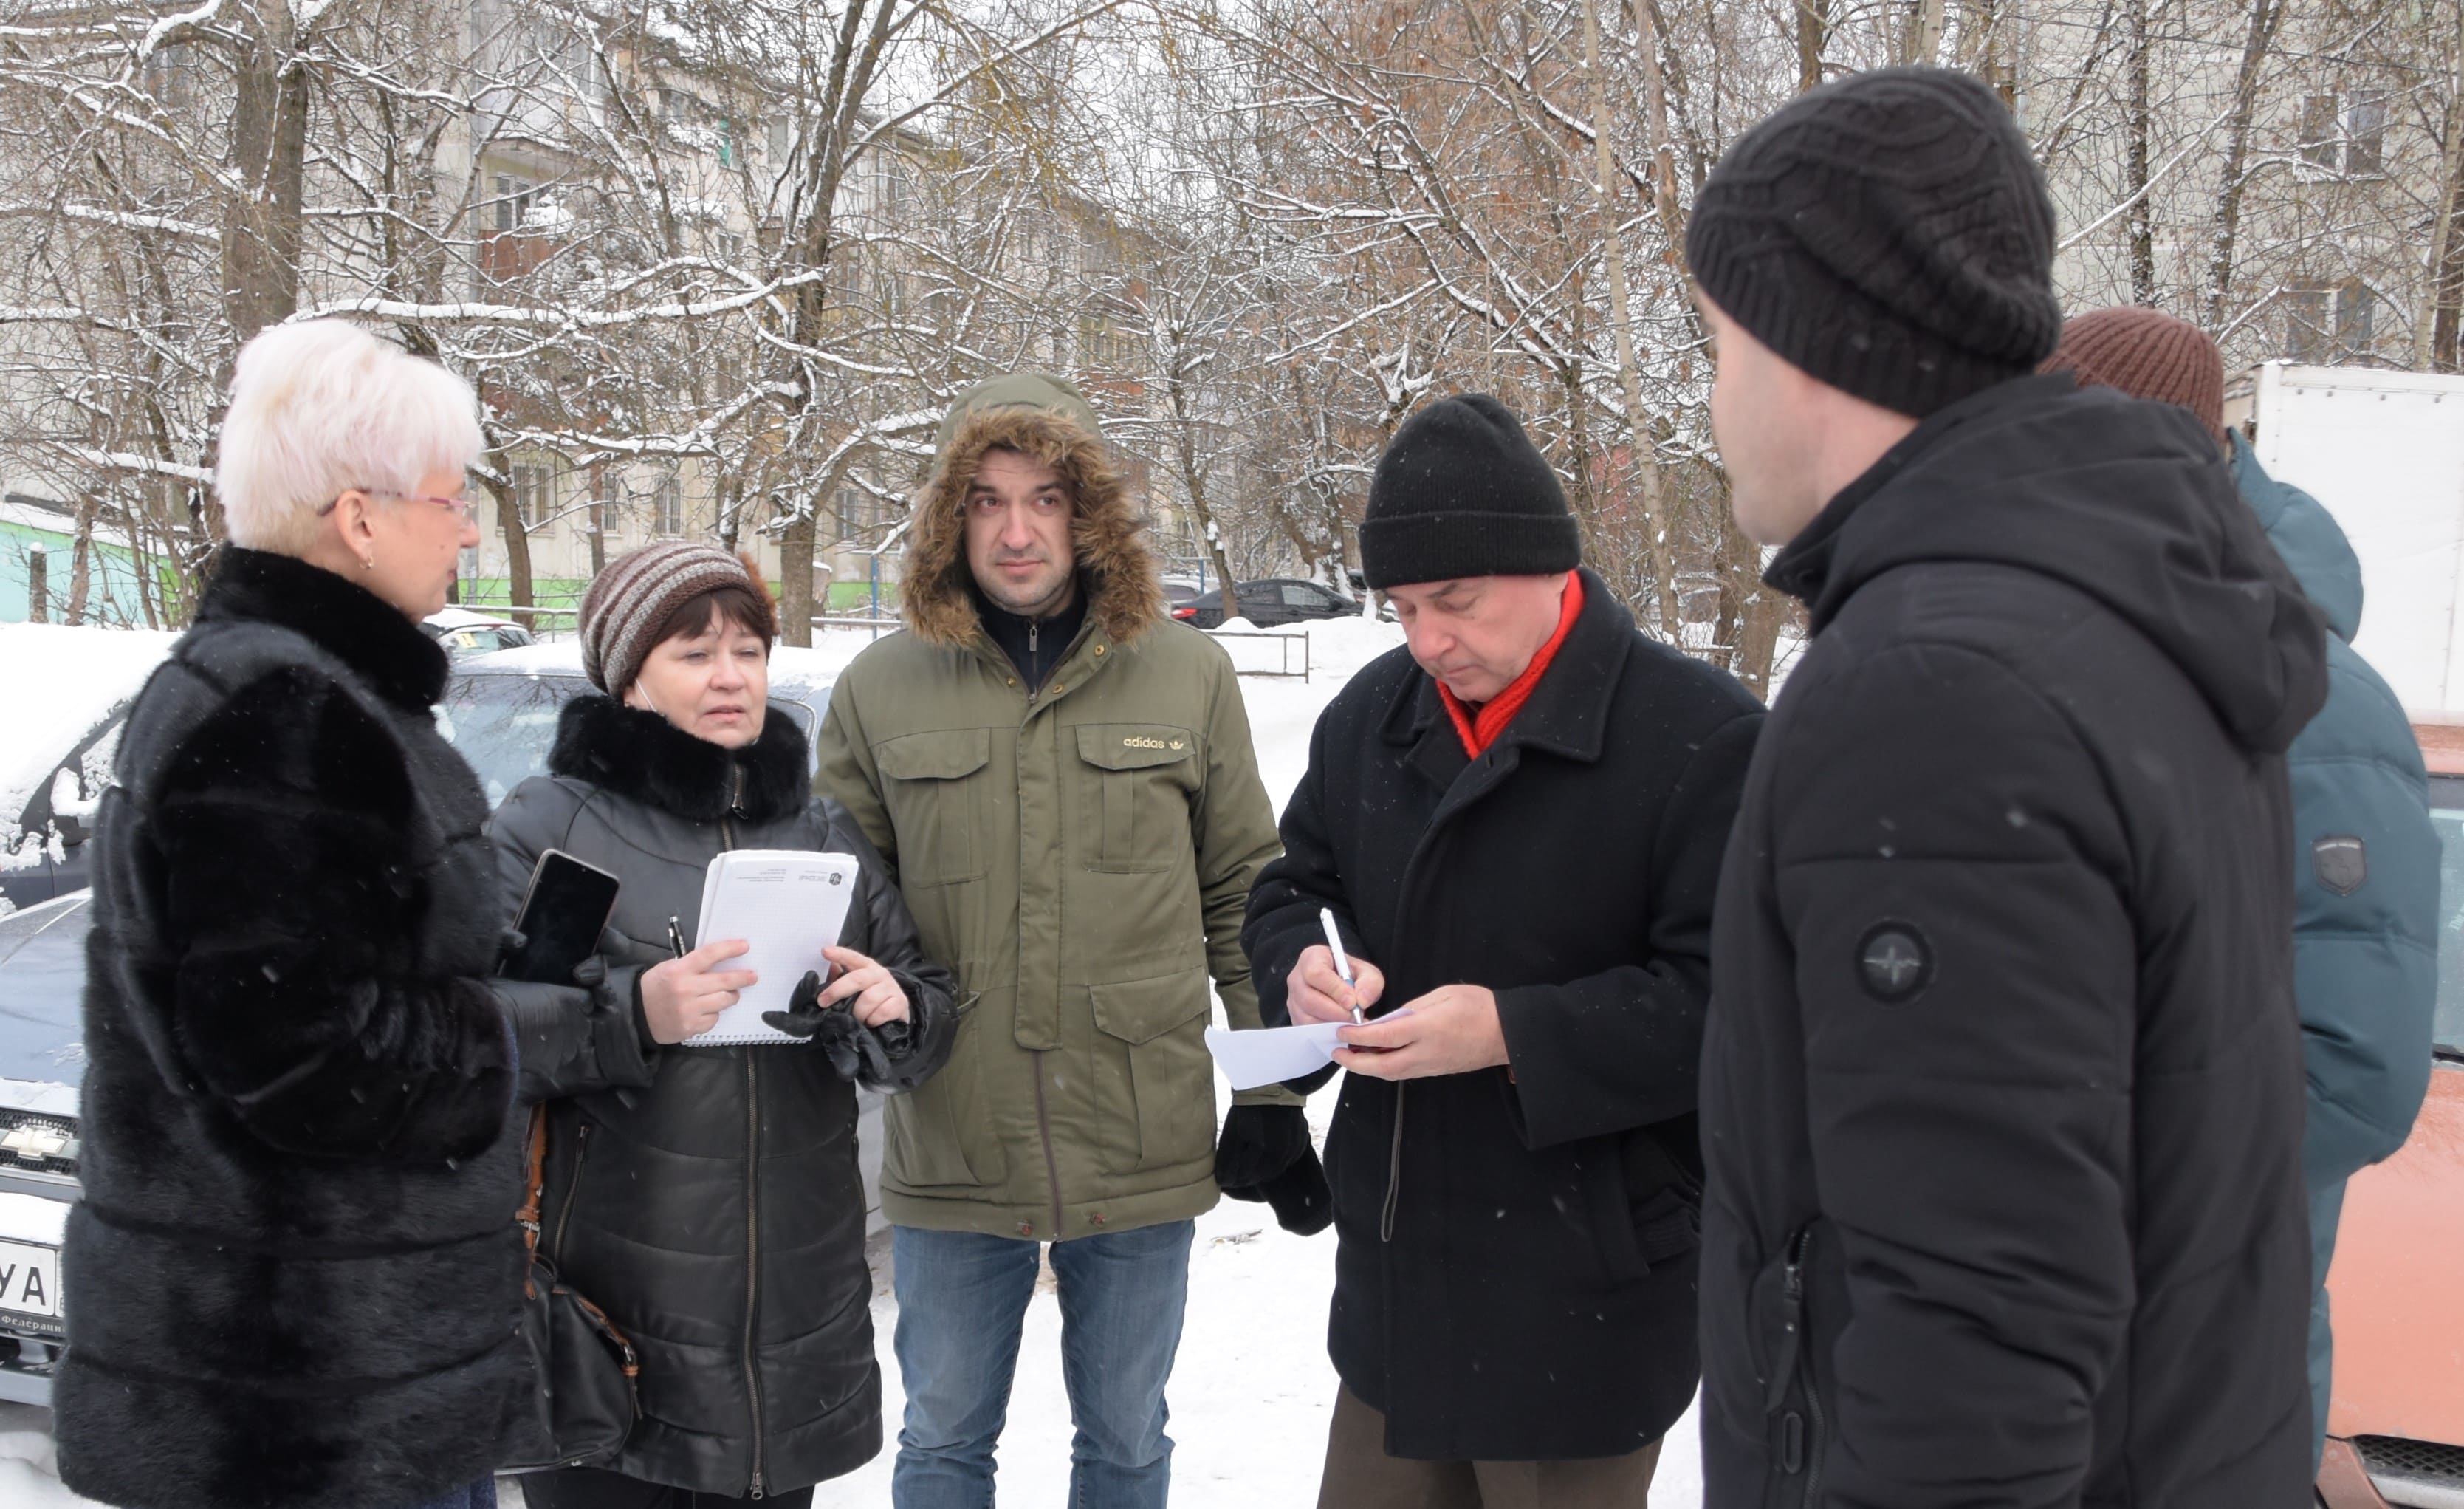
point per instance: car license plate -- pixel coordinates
(29, 1278)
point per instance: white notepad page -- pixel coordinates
(789, 904)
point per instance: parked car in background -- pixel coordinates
(1269, 604)
(2395, 1424)
(465, 632)
(499, 710)
(66, 691)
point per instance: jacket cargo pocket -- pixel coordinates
(1133, 801)
(1646, 1210)
(935, 789)
(1154, 1084)
(939, 1135)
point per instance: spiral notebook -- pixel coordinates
(789, 904)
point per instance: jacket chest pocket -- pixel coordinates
(1134, 781)
(934, 786)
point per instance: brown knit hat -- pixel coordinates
(632, 599)
(2148, 354)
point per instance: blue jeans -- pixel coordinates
(961, 1302)
(481, 1494)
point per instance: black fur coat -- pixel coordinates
(295, 1276)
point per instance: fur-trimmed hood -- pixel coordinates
(640, 756)
(1115, 568)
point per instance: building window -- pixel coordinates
(2345, 134)
(668, 507)
(2356, 319)
(534, 493)
(514, 199)
(782, 138)
(172, 75)
(2330, 324)
(2365, 113)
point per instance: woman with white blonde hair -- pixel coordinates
(296, 1269)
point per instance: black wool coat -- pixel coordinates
(2002, 1099)
(1514, 1270)
(709, 1198)
(295, 1274)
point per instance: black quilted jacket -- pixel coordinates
(709, 1198)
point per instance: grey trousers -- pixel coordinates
(1359, 1475)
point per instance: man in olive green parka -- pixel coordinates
(1061, 778)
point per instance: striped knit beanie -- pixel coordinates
(2148, 354)
(631, 600)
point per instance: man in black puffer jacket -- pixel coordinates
(2002, 1092)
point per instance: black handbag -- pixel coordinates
(584, 1402)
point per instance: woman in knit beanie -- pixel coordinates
(708, 1197)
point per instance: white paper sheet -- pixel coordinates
(1272, 1055)
(788, 903)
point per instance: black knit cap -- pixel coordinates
(1462, 491)
(1889, 234)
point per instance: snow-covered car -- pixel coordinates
(465, 632)
(499, 710)
(67, 692)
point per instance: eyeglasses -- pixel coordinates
(461, 506)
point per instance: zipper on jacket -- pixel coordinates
(1394, 1173)
(573, 1191)
(1794, 1361)
(1044, 1129)
(753, 1250)
(735, 805)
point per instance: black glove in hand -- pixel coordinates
(1258, 1141)
(854, 1050)
(1266, 1155)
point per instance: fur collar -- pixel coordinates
(937, 596)
(337, 614)
(640, 756)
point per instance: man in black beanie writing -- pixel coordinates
(1517, 822)
(2002, 1101)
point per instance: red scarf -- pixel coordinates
(1480, 726)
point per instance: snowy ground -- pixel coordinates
(1252, 1391)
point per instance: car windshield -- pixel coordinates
(2447, 816)
(504, 724)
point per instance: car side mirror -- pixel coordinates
(72, 809)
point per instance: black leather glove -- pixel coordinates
(1265, 1154)
(855, 1050)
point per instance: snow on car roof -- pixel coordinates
(818, 665)
(465, 618)
(57, 683)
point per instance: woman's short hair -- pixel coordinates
(322, 407)
(740, 602)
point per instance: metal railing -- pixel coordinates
(1284, 651)
(1284, 641)
(875, 626)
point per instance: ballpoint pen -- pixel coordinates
(675, 936)
(1342, 960)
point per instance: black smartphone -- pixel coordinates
(567, 905)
